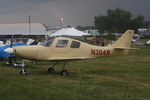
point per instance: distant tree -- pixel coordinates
(136, 23)
(146, 24)
(81, 28)
(69, 26)
(117, 20)
(101, 23)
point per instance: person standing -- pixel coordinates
(102, 42)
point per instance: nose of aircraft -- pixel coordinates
(9, 50)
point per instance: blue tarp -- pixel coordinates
(4, 54)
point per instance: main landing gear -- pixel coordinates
(63, 72)
(51, 69)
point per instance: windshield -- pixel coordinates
(48, 43)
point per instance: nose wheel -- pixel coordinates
(23, 72)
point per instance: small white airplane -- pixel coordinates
(65, 49)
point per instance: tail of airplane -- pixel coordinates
(124, 42)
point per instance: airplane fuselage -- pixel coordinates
(67, 52)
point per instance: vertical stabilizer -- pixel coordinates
(125, 40)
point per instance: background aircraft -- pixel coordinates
(12, 61)
(7, 55)
(66, 49)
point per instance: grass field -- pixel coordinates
(112, 78)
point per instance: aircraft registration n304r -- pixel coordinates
(66, 49)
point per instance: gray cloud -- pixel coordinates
(74, 12)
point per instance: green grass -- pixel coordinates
(145, 40)
(112, 78)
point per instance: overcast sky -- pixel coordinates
(74, 12)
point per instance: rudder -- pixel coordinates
(125, 40)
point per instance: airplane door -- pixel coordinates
(61, 46)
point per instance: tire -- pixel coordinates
(51, 70)
(64, 72)
(23, 73)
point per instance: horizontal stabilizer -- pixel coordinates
(125, 48)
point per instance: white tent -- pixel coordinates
(68, 32)
(148, 42)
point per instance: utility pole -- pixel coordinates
(29, 24)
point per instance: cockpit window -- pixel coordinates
(62, 43)
(75, 44)
(48, 43)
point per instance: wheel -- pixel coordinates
(23, 72)
(51, 70)
(64, 72)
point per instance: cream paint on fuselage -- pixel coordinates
(85, 51)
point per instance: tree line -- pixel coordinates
(117, 20)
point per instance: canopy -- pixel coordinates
(68, 32)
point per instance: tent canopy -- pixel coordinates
(148, 42)
(68, 32)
